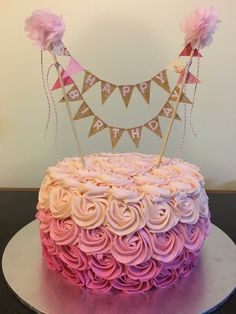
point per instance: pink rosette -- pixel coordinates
(95, 241)
(64, 231)
(158, 179)
(200, 26)
(53, 261)
(193, 236)
(73, 257)
(124, 217)
(45, 219)
(88, 211)
(167, 245)
(169, 170)
(161, 217)
(130, 286)
(188, 265)
(205, 225)
(96, 283)
(144, 271)
(74, 276)
(132, 249)
(203, 204)
(188, 208)
(178, 261)
(60, 201)
(44, 28)
(166, 278)
(105, 266)
(49, 243)
(186, 186)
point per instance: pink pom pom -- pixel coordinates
(199, 27)
(44, 28)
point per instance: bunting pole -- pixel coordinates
(69, 112)
(163, 147)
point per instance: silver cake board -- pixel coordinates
(212, 281)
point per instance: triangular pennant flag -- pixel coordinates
(106, 90)
(83, 112)
(135, 134)
(73, 67)
(126, 93)
(115, 134)
(72, 95)
(144, 89)
(89, 81)
(154, 126)
(175, 94)
(190, 79)
(162, 80)
(58, 49)
(167, 111)
(186, 52)
(97, 126)
(66, 81)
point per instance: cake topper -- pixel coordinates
(46, 30)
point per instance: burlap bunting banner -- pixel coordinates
(162, 80)
(135, 134)
(183, 99)
(115, 135)
(167, 111)
(126, 93)
(72, 95)
(83, 112)
(154, 126)
(144, 89)
(106, 90)
(97, 126)
(89, 81)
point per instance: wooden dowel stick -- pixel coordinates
(69, 112)
(164, 143)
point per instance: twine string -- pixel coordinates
(46, 94)
(55, 110)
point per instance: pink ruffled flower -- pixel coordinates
(95, 241)
(45, 219)
(64, 231)
(49, 243)
(166, 278)
(132, 249)
(130, 286)
(73, 257)
(199, 27)
(96, 283)
(53, 261)
(44, 28)
(193, 236)
(106, 266)
(167, 245)
(74, 276)
(144, 271)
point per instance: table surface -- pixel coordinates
(17, 209)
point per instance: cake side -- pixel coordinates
(122, 222)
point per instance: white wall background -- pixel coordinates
(125, 41)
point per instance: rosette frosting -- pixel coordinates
(122, 223)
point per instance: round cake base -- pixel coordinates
(210, 284)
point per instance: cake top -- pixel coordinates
(131, 171)
(124, 192)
